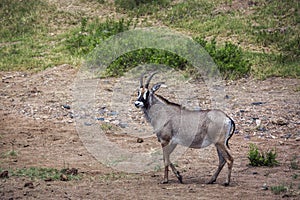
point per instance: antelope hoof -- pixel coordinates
(179, 178)
(211, 182)
(164, 182)
(226, 184)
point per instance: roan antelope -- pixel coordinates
(175, 125)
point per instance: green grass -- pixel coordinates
(28, 35)
(11, 153)
(35, 35)
(294, 163)
(42, 173)
(278, 189)
(116, 176)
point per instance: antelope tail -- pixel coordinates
(230, 133)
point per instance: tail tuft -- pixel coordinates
(230, 133)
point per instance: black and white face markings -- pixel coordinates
(142, 99)
(144, 92)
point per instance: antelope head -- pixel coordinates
(145, 94)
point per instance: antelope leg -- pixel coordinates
(221, 165)
(223, 152)
(177, 174)
(167, 150)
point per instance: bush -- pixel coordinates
(229, 58)
(258, 158)
(145, 56)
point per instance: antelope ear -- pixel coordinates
(157, 86)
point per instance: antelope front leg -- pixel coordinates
(167, 150)
(177, 174)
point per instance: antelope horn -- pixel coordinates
(141, 80)
(149, 79)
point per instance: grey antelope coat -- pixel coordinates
(175, 125)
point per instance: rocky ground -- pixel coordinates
(38, 122)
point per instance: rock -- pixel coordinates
(258, 122)
(123, 124)
(66, 107)
(264, 187)
(100, 119)
(113, 113)
(29, 185)
(262, 129)
(140, 140)
(48, 179)
(63, 177)
(4, 174)
(280, 122)
(297, 139)
(72, 171)
(258, 103)
(286, 136)
(87, 124)
(247, 137)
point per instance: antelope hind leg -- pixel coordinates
(224, 156)
(220, 167)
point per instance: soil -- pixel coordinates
(37, 122)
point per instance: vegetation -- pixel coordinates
(294, 163)
(278, 189)
(258, 38)
(44, 173)
(258, 158)
(29, 38)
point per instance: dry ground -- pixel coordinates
(34, 123)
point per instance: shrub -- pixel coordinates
(258, 158)
(229, 58)
(144, 56)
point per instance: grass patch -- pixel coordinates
(294, 163)
(28, 35)
(258, 158)
(115, 176)
(11, 153)
(279, 189)
(84, 39)
(48, 174)
(140, 7)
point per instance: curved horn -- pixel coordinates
(141, 80)
(149, 79)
